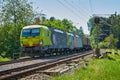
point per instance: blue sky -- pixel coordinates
(78, 11)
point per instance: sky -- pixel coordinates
(78, 11)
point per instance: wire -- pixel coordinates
(87, 11)
(90, 2)
(74, 8)
(68, 8)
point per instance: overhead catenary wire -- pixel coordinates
(87, 11)
(74, 8)
(68, 9)
(91, 8)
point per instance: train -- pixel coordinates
(43, 40)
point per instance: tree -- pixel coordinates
(115, 29)
(52, 19)
(44, 18)
(111, 41)
(65, 24)
(15, 11)
(14, 15)
(113, 34)
(91, 24)
(68, 25)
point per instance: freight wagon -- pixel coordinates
(86, 43)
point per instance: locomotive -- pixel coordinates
(41, 40)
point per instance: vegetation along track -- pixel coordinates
(16, 61)
(26, 70)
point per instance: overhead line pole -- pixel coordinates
(105, 22)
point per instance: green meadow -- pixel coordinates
(107, 68)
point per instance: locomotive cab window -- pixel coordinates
(35, 32)
(31, 32)
(26, 33)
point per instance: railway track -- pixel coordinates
(16, 73)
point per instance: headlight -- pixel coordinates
(41, 42)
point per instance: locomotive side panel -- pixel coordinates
(59, 39)
(71, 42)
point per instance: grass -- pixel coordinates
(4, 59)
(98, 69)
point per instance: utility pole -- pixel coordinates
(98, 21)
(97, 50)
(113, 21)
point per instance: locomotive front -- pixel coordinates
(30, 39)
